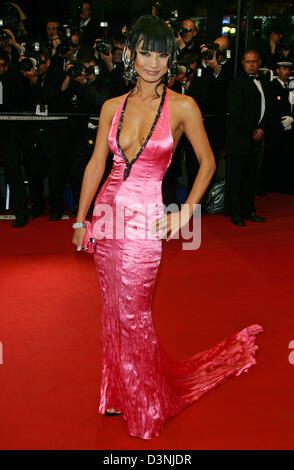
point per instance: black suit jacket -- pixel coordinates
(91, 32)
(210, 92)
(244, 108)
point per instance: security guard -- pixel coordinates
(278, 168)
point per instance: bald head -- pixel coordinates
(223, 43)
(189, 30)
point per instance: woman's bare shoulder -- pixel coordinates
(110, 106)
(181, 102)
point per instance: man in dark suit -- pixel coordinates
(278, 166)
(248, 98)
(89, 26)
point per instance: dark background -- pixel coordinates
(125, 12)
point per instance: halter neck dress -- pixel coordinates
(138, 377)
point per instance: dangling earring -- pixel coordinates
(169, 74)
(133, 72)
(130, 72)
(125, 58)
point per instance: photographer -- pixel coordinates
(96, 78)
(51, 26)
(65, 46)
(45, 142)
(10, 136)
(12, 18)
(209, 89)
(81, 94)
(188, 42)
(109, 56)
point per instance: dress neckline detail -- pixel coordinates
(129, 163)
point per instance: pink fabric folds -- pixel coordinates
(138, 378)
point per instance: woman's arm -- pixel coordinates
(189, 120)
(95, 169)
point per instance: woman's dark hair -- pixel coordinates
(157, 36)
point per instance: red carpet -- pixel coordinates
(50, 335)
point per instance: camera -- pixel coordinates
(30, 48)
(76, 70)
(32, 58)
(103, 46)
(183, 31)
(93, 69)
(27, 64)
(175, 26)
(64, 47)
(208, 54)
(63, 31)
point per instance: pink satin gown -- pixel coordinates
(138, 378)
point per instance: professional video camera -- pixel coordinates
(212, 49)
(31, 54)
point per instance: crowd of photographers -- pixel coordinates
(71, 71)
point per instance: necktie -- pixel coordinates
(254, 77)
(286, 85)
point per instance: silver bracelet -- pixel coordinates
(79, 225)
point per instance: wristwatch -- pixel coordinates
(79, 225)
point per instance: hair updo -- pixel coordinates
(157, 36)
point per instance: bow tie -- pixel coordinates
(253, 77)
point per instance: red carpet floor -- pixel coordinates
(50, 335)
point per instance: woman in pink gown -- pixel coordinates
(142, 130)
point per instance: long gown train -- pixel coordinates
(138, 378)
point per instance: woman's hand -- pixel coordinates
(78, 238)
(172, 222)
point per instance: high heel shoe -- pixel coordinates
(112, 413)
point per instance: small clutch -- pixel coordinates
(89, 243)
